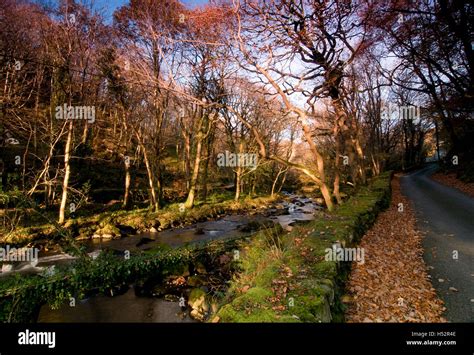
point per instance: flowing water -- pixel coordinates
(129, 307)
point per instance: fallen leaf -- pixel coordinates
(393, 270)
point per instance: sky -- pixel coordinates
(109, 6)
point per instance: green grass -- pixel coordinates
(287, 279)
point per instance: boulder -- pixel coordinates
(143, 241)
(108, 231)
(200, 268)
(197, 301)
(124, 229)
(199, 231)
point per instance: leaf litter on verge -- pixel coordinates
(394, 270)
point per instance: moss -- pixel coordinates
(85, 232)
(196, 294)
(108, 229)
(316, 290)
(325, 269)
(254, 297)
(252, 306)
(228, 314)
(139, 219)
(179, 269)
(265, 276)
(25, 293)
(289, 319)
(311, 308)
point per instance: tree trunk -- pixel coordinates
(337, 164)
(238, 182)
(275, 181)
(151, 183)
(375, 165)
(238, 174)
(437, 139)
(127, 183)
(84, 132)
(336, 188)
(67, 167)
(319, 163)
(194, 178)
(187, 160)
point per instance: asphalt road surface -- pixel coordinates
(446, 217)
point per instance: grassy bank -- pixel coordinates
(114, 223)
(285, 277)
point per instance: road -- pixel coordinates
(446, 217)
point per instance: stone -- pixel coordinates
(197, 301)
(199, 231)
(143, 241)
(200, 268)
(195, 314)
(319, 200)
(7, 267)
(128, 230)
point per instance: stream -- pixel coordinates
(130, 305)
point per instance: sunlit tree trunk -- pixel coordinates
(151, 183)
(238, 174)
(194, 178)
(337, 163)
(67, 172)
(127, 182)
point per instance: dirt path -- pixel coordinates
(393, 285)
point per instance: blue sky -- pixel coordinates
(109, 6)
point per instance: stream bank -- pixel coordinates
(289, 277)
(193, 279)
